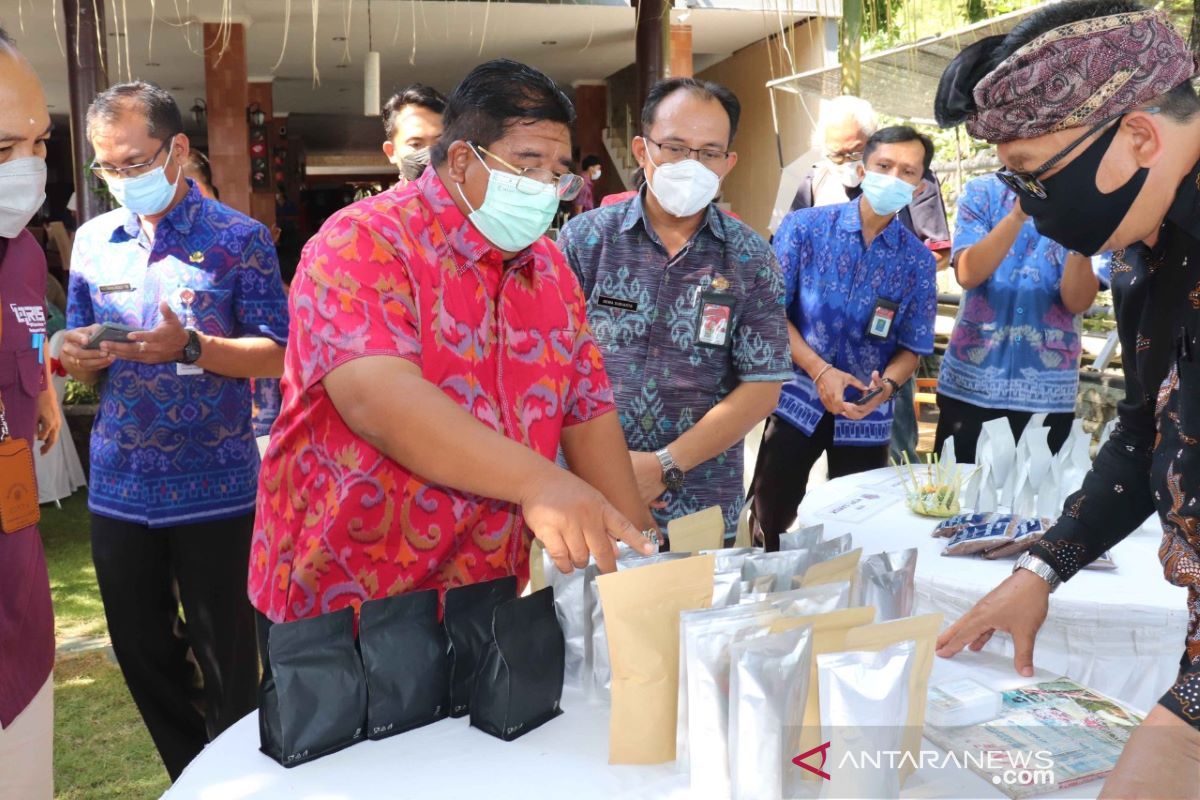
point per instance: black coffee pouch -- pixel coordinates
(468, 620)
(407, 663)
(520, 680)
(314, 702)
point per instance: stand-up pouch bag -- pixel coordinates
(468, 621)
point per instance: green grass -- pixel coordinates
(101, 748)
(65, 534)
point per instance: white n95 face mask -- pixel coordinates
(683, 188)
(22, 192)
(848, 173)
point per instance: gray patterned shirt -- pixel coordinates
(679, 334)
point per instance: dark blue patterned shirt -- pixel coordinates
(833, 287)
(679, 334)
(171, 449)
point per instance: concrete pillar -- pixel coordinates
(681, 51)
(651, 42)
(87, 76)
(227, 96)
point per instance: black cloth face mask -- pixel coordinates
(1075, 213)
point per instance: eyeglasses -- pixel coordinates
(844, 158)
(1030, 183)
(673, 153)
(131, 171)
(534, 180)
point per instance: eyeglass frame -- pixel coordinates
(697, 150)
(846, 158)
(1030, 183)
(121, 172)
(563, 182)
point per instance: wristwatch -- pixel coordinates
(1040, 568)
(191, 350)
(895, 386)
(672, 475)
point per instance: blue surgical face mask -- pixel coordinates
(148, 194)
(885, 193)
(511, 216)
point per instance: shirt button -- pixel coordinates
(1020, 310)
(1016, 338)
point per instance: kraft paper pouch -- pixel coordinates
(708, 663)
(885, 580)
(468, 621)
(520, 679)
(573, 616)
(768, 688)
(692, 625)
(804, 602)
(18, 486)
(864, 706)
(641, 614)
(726, 591)
(704, 530)
(803, 538)
(600, 680)
(731, 558)
(924, 631)
(744, 537)
(406, 660)
(782, 565)
(314, 702)
(828, 636)
(842, 568)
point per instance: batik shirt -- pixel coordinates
(679, 334)
(170, 447)
(834, 285)
(1152, 460)
(403, 274)
(1015, 346)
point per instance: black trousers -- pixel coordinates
(785, 458)
(964, 421)
(138, 569)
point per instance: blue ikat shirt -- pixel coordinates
(170, 449)
(648, 313)
(1015, 346)
(833, 285)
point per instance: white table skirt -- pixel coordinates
(565, 758)
(1120, 632)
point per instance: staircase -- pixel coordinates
(617, 138)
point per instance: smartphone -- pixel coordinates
(110, 332)
(869, 396)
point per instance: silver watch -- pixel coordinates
(1040, 568)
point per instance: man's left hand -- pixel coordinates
(648, 471)
(162, 345)
(853, 411)
(49, 419)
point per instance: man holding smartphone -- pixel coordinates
(861, 302)
(174, 462)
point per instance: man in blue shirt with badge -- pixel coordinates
(175, 302)
(861, 302)
(685, 302)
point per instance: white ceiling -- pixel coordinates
(571, 42)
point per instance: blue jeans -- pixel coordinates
(904, 424)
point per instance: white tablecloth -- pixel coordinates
(1119, 632)
(565, 758)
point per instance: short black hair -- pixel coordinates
(153, 102)
(705, 90)
(197, 161)
(494, 97)
(418, 94)
(897, 134)
(589, 162)
(5, 39)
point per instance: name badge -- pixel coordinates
(882, 319)
(616, 302)
(715, 320)
(115, 287)
(188, 369)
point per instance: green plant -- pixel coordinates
(76, 394)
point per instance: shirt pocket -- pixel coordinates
(211, 311)
(678, 360)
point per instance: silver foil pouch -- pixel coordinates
(784, 565)
(885, 581)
